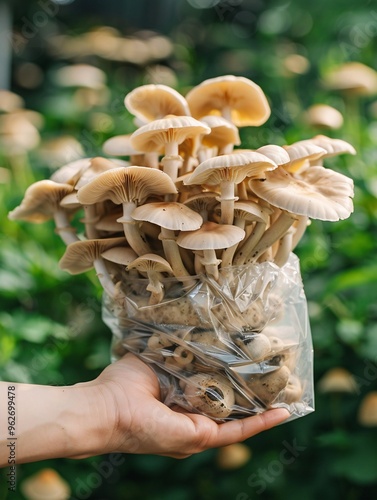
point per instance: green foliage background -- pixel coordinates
(50, 324)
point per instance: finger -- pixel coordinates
(236, 430)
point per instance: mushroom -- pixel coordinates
(323, 116)
(202, 203)
(228, 171)
(71, 172)
(301, 153)
(154, 266)
(235, 98)
(46, 484)
(127, 186)
(9, 101)
(352, 77)
(60, 150)
(333, 147)
(338, 380)
(82, 256)
(207, 239)
(367, 414)
(255, 345)
(170, 217)
(292, 391)
(80, 75)
(41, 202)
(268, 386)
(120, 145)
(234, 456)
(152, 102)
(168, 132)
(223, 136)
(209, 394)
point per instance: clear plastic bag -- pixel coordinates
(226, 349)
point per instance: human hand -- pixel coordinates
(140, 423)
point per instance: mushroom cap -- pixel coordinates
(152, 102)
(96, 166)
(60, 150)
(80, 255)
(318, 193)
(120, 145)
(151, 262)
(337, 380)
(126, 184)
(154, 135)
(233, 456)
(202, 201)
(325, 116)
(245, 98)
(47, 484)
(109, 222)
(367, 414)
(250, 211)
(71, 172)
(304, 150)
(234, 167)
(353, 77)
(211, 236)
(17, 134)
(275, 153)
(119, 255)
(332, 146)
(80, 75)
(223, 132)
(70, 201)
(9, 101)
(41, 200)
(169, 215)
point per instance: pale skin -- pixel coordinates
(120, 411)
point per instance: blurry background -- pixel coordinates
(50, 325)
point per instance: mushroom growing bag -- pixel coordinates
(228, 348)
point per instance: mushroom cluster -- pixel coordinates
(192, 242)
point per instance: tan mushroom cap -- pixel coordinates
(353, 77)
(120, 145)
(250, 211)
(80, 255)
(304, 150)
(60, 150)
(9, 101)
(70, 201)
(332, 146)
(367, 414)
(41, 200)
(80, 75)
(234, 167)
(71, 172)
(233, 456)
(109, 222)
(244, 99)
(223, 132)
(169, 215)
(211, 236)
(337, 380)
(47, 484)
(318, 193)
(17, 134)
(154, 135)
(126, 184)
(119, 255)
(152, 102)
(275, 153)
(323, 115)
(97, 166)
(151, 262)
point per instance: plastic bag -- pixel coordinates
(226, 349)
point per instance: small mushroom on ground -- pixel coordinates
(323, 116)
(46, 484)
(338, 380)
(209, 394)
(154, 266)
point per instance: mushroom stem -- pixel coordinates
(151, 160)
(301, 226)
(249, 244)
(171, 164)
(273, 233)
(199, 268)
(226, 112)
(241, 190)
(66, 232)
(90, 220)
(284, 249)
(104, 277)
(227, 256)
(211, 263)
(173, 256)
(134, 236)
(225, 150)
(227, 200)
(155, 287)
